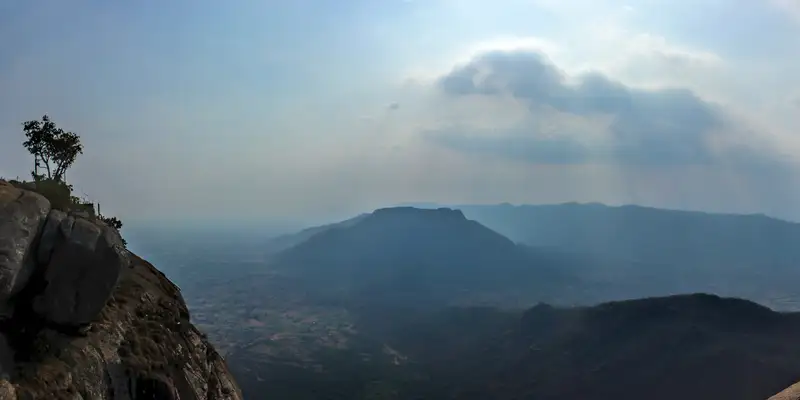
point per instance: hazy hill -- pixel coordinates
(412, 256)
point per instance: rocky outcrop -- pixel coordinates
(83, 318)
(791, 393)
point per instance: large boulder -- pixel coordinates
(81, 263)
(143, 346)
(22, 214)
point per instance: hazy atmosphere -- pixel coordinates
(321, 109)
(400, 199)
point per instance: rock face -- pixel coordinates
(86, 319)
(22, 213)
(83, 266)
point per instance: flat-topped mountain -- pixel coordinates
(411, 256)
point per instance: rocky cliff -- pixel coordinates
(83, 318)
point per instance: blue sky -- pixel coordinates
(311, 109)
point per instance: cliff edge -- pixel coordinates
(81, 317)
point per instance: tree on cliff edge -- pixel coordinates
(53, 149)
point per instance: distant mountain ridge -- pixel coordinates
(751, 256)
(639, 230)
(650, 251)
(554, 224)
(587, 204)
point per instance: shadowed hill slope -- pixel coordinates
(678, 347)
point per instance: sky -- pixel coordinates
(305, 109)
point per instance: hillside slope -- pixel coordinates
(286, 241)
(85, 318)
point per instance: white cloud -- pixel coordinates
(608, 37)
(642, 126)
(744, 163)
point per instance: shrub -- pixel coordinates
(58, 193)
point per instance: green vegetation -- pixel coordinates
(52, 148)
(54, 151)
